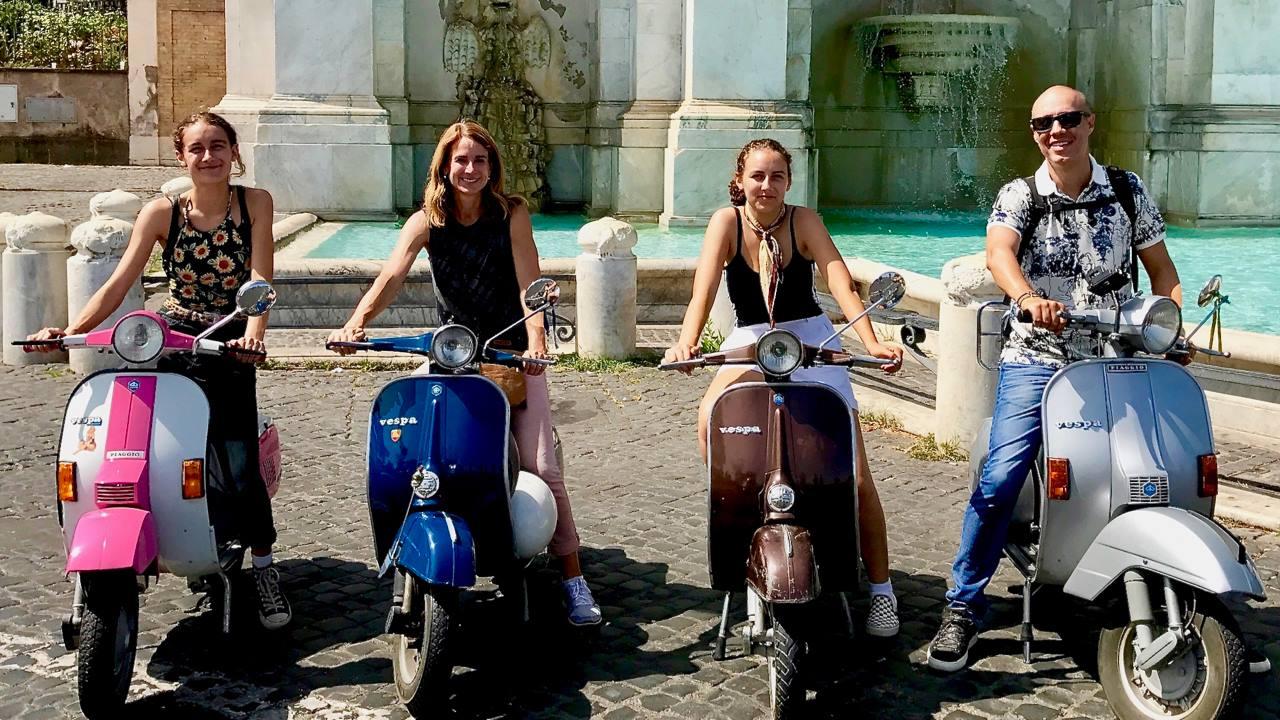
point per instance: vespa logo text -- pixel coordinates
(1080, 425)
(741, 430)
(90, 421)
(397, 421)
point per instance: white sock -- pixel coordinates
(261, 561)
(884, 588)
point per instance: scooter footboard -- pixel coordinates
(436, 548)
(781, 567)
(1179, 544)
(120, 538)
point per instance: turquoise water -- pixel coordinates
(922, 242)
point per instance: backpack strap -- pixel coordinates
(1039, 208)
(1119, 180)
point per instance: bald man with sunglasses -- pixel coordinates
(1047, 235)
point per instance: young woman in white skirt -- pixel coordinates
(759, 217)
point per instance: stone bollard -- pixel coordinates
(175, 187)
(606, 289)
(35, 283)
(99, 244)
(721, 317)
(5, 219)
(966, 390)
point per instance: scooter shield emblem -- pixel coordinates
(395, 434)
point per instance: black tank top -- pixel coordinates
(473, 274)
(795, 299)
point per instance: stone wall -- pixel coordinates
(177, 66)
(72, 117)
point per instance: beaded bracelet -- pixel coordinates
(1030, 293)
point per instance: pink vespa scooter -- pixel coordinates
(133, 465)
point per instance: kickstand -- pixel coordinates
(848, 615)
(724, 629)
(226, 601)
(1027, 633)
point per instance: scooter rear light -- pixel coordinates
(192, 479)
(1208, 475)
(66, 482)
(1059, 479)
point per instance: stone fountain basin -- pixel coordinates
(940, 44)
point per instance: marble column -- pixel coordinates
(745, 77)
(605, 289)
(35, 283)
(301, 93)
(99, 244)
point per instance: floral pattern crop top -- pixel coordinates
(205, 269)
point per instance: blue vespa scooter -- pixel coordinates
(447, 500)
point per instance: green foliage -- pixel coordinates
(928, 448)
(578, 363)
(879, 421)
(79, 36)
(710, 340)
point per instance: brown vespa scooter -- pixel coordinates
(782, 504)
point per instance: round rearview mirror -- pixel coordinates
(542, 291)
(887, 290)
(1210, 291)
(255, 297)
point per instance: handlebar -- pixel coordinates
(54, 344)
(331, 344)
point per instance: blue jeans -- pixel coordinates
(1015, 443)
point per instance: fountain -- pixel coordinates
(938, 58)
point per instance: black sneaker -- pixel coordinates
(1258, 663)
(949, 650)
(273, 607)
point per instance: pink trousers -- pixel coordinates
(531, 426)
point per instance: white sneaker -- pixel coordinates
(583, 610)
(273, 607)
(882, 618)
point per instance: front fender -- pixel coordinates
(116, 538)
(781, 567)
(1177, 543)
(436, 548)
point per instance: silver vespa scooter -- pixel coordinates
(1120, 511)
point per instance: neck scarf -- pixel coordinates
(769, 258)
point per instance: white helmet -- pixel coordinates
(533, 515)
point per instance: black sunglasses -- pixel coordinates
(1067, 120)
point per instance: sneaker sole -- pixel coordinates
(274, 624)
(1258, 667)
(953, 665)
(884, 632)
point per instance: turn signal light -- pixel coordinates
(1208, 475)
(192, 479)
(1059, 479)
(66, 482)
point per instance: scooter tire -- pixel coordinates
(1221, 664)
(108, 643)
(422, 660)
(786, 686)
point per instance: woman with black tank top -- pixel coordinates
(213, 239)
(480, 244)
(733, 247)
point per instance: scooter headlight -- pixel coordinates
(138, 338)
(781, 498)
(425, 483)
(453, 346)
(1160, 327)
(779, 352)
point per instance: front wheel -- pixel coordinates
(108, 642)
(421, 657)
(786, 689)
(1204, 682)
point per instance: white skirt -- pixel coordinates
(811, 331)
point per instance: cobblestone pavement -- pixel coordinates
(65, 190)
(638, 498)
